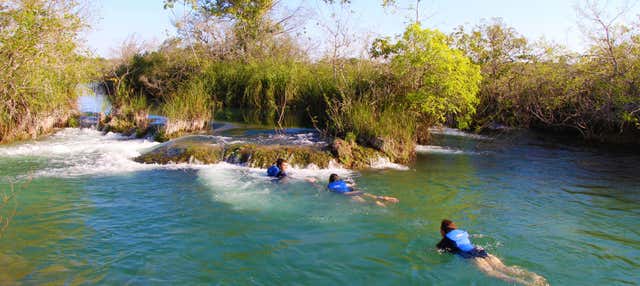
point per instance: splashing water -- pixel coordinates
(457, 133)
(77, 152)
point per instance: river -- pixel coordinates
(87, 214)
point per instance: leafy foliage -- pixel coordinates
(439, 81)
(40, 65)
(543, 86)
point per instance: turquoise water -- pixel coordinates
(90, 215)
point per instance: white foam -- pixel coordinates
(240, 187)
(246, 188)
(385, 163)
(433, 149)
(458, 133)
(306, 139)
(76, 152)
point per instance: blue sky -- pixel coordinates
(116, 20)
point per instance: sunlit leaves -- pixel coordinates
(439, 81)
(40, 63)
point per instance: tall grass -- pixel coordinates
(189, 109)
(358, 97)
(390, 129)
(191, 101)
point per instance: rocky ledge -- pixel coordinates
(197, 149)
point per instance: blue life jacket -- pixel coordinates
(461, 238)
(338, 186)
(273, 171)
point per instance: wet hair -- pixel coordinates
(279, 162)
(447, 226)
(333, 178)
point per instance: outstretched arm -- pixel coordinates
(353, 193)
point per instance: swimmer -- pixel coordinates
(457, 241)
(278, 169)
(339, 186)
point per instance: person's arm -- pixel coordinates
(447, 244)
(353, 193)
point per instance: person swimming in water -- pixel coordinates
(337, 185)
(457, 241)
(278, 169)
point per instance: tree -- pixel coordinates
(251, 27)
(237, 29)
(385, 3)
(610, 67)
(542, 85)
(500, 51)
(440, 82)
(40, 64)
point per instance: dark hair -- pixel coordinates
(279, 162)
(333, 178)
(447, 226)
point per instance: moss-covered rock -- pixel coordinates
(73, 121)
(200, 149)
(261, 156)
(398, 150)
(183, 152)
(118, 125)
(352, 155)
(140, 125)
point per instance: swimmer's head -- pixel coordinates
(281, 163)
(446, 226)
(333, 178)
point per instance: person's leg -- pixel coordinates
(528, 277)
(485, 266)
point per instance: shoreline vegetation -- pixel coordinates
(238, 55)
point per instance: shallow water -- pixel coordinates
(90, 215)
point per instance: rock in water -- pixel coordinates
(354, 156)
(182, 152)
(253, 155)
(201, 150)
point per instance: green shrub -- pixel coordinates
(41, 66)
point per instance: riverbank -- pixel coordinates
(39, 125)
